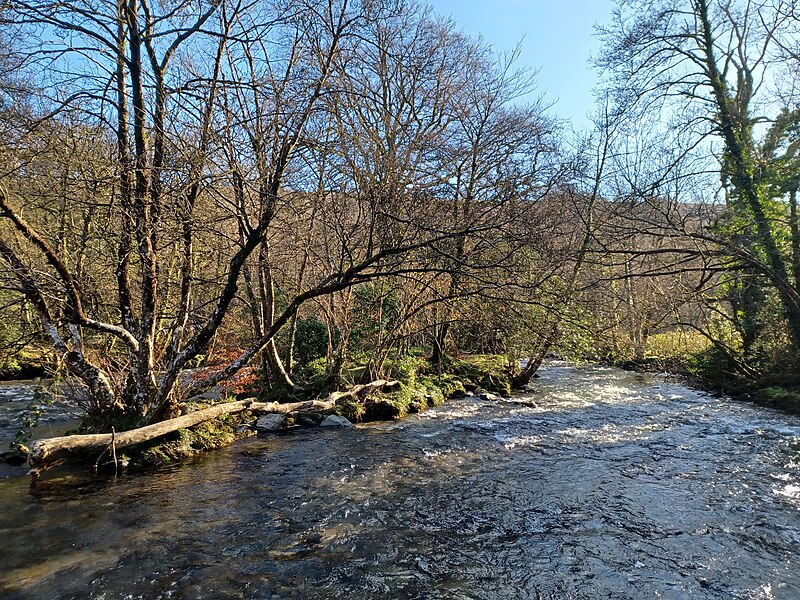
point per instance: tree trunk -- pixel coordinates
(523, 378)
(794, 224)
(439, 344)
(278, 373)
(736, 129)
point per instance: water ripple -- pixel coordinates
(600, 484)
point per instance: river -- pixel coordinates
(604, 484)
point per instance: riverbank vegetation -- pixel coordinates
(284, 198)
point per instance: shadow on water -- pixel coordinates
(608, 484)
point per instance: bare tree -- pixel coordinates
(704, 66)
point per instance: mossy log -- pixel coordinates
(50, 452)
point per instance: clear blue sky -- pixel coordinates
(558, 41)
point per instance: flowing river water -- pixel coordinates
(603, 484)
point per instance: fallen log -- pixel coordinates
(322, 406)
(363, 390)
(50, 452)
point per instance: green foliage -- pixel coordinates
(405, 367)
(785, 398)
(678, 344)
(311, 340)
(375, 309)
(10, 366)
(21, 363)
(772, 350)
(754, 340)
(577, 339)
(17, 358)
(710, 363)
(314, 373)
(780, 153)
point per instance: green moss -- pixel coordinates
(497, 383)
(25, 364)
(421, 389)
(183, 443)
(449, 385)
(405, 368)
(396, 404)
(488, 362)
(385, 407)
(351, 410)
(486, 371)
(785, 398)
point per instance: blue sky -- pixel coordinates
(558, 40)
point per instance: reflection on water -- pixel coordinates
(602, 484)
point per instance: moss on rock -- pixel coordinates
(418, 391)
(210, 435)
(422, 389)
(450, 386)
(489, 372)
(350, 409)
(396, 404)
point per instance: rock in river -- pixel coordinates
(310, 419)
(335, 421)
(271, 422)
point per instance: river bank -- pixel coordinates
(419, 389)
(780, 391)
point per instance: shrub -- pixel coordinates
(311, 340)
